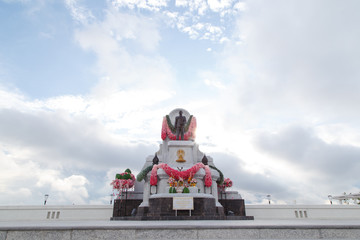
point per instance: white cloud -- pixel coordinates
(79, 13)
(119, 68)
(295, 52)
(240, 6)
(71, 189)
(41, 142)
(294, 66)
(218, 5)
(191, 17)
(151, 5)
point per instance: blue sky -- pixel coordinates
(84, 86)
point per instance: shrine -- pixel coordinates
(178, 182)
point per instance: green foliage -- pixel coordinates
(221, 178)
(172, 128)
(171, 190)
(174, 190)
(126, 175)
(188, 123)
(143, 173)
(186, 190)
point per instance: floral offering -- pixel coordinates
(123, 181)
(172, 182)
(226, 184)
(193, 182)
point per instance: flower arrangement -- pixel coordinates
(123, 181)
(179, 186)
(180, 182)
(226, 184)
(193, 182)
(172, 182)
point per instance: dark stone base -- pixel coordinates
(146, 218)
(162, 209)
(234, 207)
(123, 208)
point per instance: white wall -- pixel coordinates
(104, 212)
(56, 213)
(344, 212)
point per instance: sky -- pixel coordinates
(84, 86)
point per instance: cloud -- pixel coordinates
(59, 140)
(151, 5)
(216, 5)
(194, 18)
(289, 108)
(300, 50)
(118, 67)
(232, 167)
(302, 147)
(63, 155)
(316, 162)
(79, 13)
(30, 180)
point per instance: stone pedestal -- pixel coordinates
(124, 207)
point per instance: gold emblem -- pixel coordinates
(180, 153)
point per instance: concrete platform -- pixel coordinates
(257, 229)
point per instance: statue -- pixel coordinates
(180, 122)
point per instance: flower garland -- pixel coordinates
(183, 174)
(167, 131)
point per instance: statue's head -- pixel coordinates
(180, 113)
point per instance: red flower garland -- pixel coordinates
(183, 174)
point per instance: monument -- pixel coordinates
(179, 181)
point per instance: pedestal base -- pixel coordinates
(161, 208)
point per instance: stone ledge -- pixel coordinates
(190, 232)
(110, 225)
